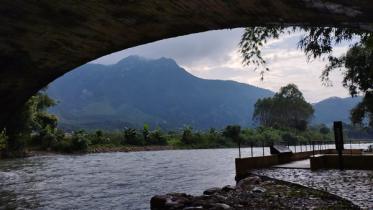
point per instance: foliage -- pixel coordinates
(262, 111)
(315, 43)
(79, 140)
(186, 135)
(157, 137)
(318, 42)
(357, 67)
(98, 138)
(31, 117)
(3, 140)
(324, 130)
(146, 134)
(143, 137)
(51, 135)
(131, 137)
(233, 132)
(287, 108)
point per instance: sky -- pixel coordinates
(214, 55)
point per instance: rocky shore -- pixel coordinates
(253, 192)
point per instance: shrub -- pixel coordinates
(51, 136)
(131, 137)
(79, 140)
(186, 137)
(3, 140)
(157, 137)
(64, 146)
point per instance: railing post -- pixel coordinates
(306, 145)
(300, 144)
(313, 146)
(239, 148)
(263, 148)
(295, 146)
(251, 149)
(351, 147)
(288, 145)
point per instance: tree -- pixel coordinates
(233, 132)
(31, 117)
(262, 111)
(357, 68)
(324, 130)
(186, 135)
(318, 42)
(286, 108)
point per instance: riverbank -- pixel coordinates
(93, 150)
(254, 192)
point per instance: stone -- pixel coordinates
(253, 180)
(159, 201)
(222, 206)
(227, 188)
(211, 191)
(259, 190)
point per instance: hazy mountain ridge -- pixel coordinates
(136, 91)
(334, 109)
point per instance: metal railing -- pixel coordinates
(316, 146)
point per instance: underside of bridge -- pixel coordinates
(42, 39)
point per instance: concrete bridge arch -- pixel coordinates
(42, 39)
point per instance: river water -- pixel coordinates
(115, 180)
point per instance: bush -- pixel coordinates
(98, 138)
(131, 137)
(3, 140)
(64, 146)
(79, 140)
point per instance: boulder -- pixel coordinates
(211, 191)
(170, 201)
(159, 201)
(252, 180)
(227, 188)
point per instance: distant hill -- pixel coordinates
(334, 109)
(136, 91)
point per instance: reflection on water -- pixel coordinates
(114, 180)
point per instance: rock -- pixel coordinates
(205, 201)
(259, 190)
(252, 180)
(159, 201)
(222, 206)
(267, 183)
(211, 191)
(193, 208)
(227, 188)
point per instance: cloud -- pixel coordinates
(214, 55)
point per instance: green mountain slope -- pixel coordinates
(334, 109)
(136, 91)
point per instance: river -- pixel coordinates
(115, 180)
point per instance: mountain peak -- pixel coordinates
(136, 59)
